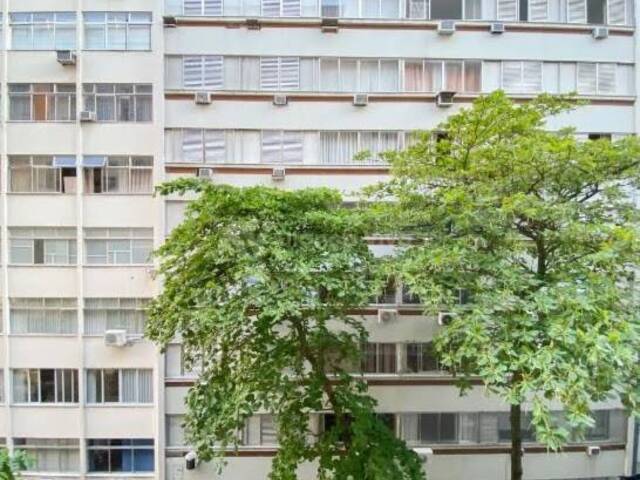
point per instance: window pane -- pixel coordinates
(111, 385)
(446, 9)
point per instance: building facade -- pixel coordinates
(102, 99)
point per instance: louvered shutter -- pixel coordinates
(289, 73)
(587, 82)
(269, 73)
(617, 12)
(606, 78)
(511, 76)
(192, 7)
(271, 146)
(290, 8)
(192, 71)
(577, 11)
(214, 146)
(213, 72)
(531, 77)
(538, 10)
(292, 147)
(192, 145)
(270, 8)
(213, 7)
(508, 10)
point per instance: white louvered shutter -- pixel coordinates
(290, 8)
(292, 147)
(271, 146)
(214, 146)
(531, 77)
(289, 73)
(606, 78)
(269, 73)
(192, 145)
(587, 81)
(577, 11)
(538, 10)
(192, 71)
(617, 12)
(270, 8)
(213, 75)
(511, 76)
(192, 7)
(213, 7)
(508, 10)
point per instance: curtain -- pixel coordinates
(250, 73)
(417, 8)
(413, 76)
(145, 386)
(129, 386)
(94, 386)
(330, 148)
(387, 362)
(141, 180)
(409, 428)
(20, 386)
(329, 77)
(369, 358)
(19, 107)
(389, 76)
(116, 36)
(143, 108)
(453, 76)
(432, 76)
(472, 76)
(105, 107)
(348, 75)
(369, 76)
(20, 175)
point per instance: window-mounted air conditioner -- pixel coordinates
(444, 318)
(202, 98)
(423, 453)
(360, 99)
(87, 116)
(252, 24)
(600, 33)
(280, 100)
(386, 315)
(278, 174)
(115, 338)
(206, 173)
(445, 99)
(329, 25)
(169, 21)
(66, 57)
(497, 28)
(446, 27)
(593, 450)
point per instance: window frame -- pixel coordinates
(65, 306)
(141, 305)
(91, 97)
(43, 234)
(52, 98)
(126, 25)
(90, 163)
(128, 444)
(112, 235)
(30, 388)
(55, 24)
(120, 372)
(36, 168)
(20, 443)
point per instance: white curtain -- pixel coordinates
(20, 386)
(329, 77)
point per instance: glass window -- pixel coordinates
(102, 314)
(42, 246)
(120, 455)
(42, 102)
(42, 174)
(51, 316)
(118, 174)
(421, 357)
(43, 30)
(446, 9)
(59, 455)
(379, 358)
(45, 386)
(119, 102)
(127, 385)
(117, 30)
(118, 246)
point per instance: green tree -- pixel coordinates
(12, 465)
(258, 284)
(540, 231)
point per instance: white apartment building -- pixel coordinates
(102, 99)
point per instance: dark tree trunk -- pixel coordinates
(515, 418)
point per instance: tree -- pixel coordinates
(258, 284)
(540, 232)
(12, 465)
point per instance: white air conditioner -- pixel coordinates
(252, 23)
(423, 453)
(329, 25)
(87, 116)
(278, 174)
(593, 450)
(446, 27)
(360, 99)
(600, 33)
(206, 173)
(444, 318)
(202, 98)
(386, 315)
(280, 100)
(115, 338)
(445, 99)
(497, 27)
(66, 57)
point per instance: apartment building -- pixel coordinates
(102, 99)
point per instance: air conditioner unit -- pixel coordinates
(600, 33)
(329, 25)
(446, 27)
(360, 99)
(115, 338)
(278, 174)
(497, 27)
(169, 21)
(202, 98)
(445, 99)
(66, 57)
(593, 450)
(87, 116)
(280, 100)
(444, 318)
(423, 453)
(386, 315)
(206, 173)
(252, 24)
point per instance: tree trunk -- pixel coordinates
(515, 418)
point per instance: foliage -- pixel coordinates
(258, 284)
(12, 465)
(541, 230)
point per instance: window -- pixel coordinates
(599, 136)
(437, 75)
(127, 385)
(597, 78)
(42, 102)
(51, 316)
(203, 146)
(175, 431)
(281, 146)
(370, 9)
(117, 174)
(379, 358)
(45, 385)
(279, 73)
(43, 30)
(421, 357)
(522, 77)
(42, 246)
(42, 174)
(118, 246)
(281, 8)
(446, 9)
(174, 361)
(201, 7)
(101, 314)
(117, 30)
(2, 396)
(268, 430)
(341, 148)
(523, 10)
(60, 455)
(119, 102)
(120, 455)
(359, 75)
(202, 71)
(597, 12)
